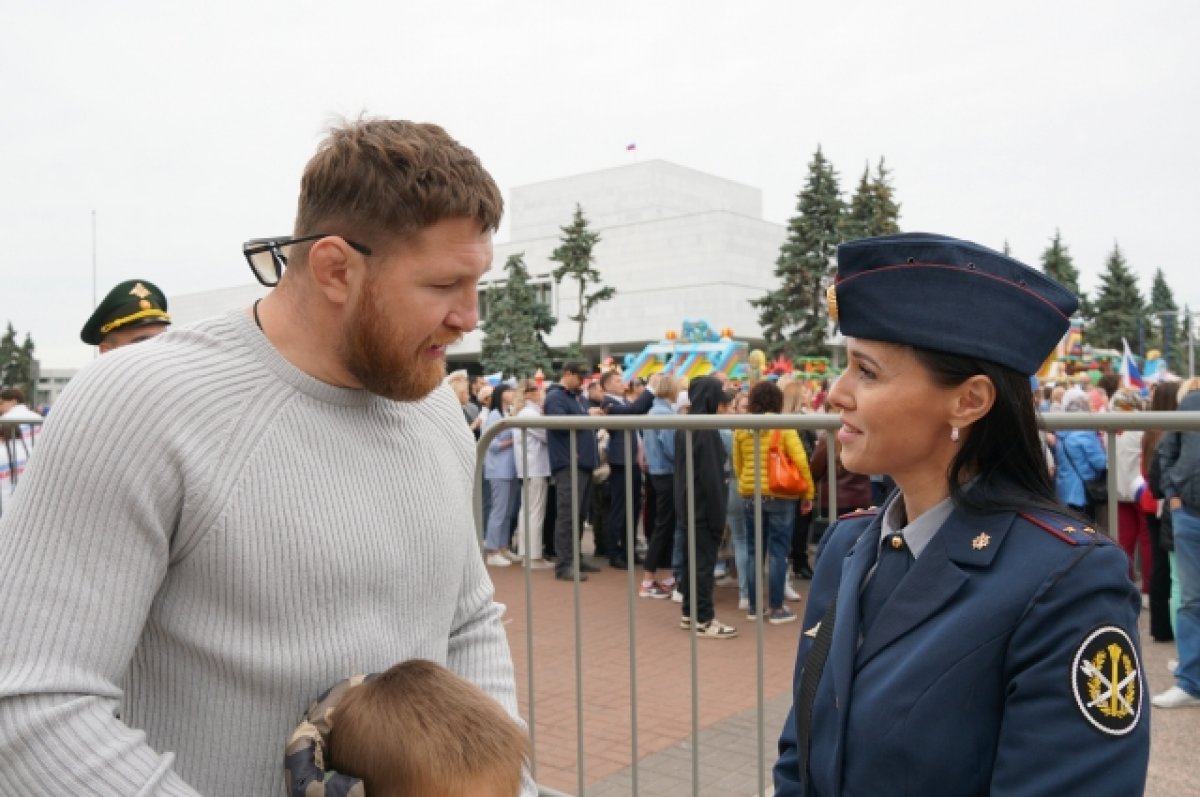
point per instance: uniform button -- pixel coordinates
(897, 542)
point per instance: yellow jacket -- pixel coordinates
(743, 461)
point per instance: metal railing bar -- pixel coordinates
(692, 603)
(1110, 454)
(1051, 421)
(631, 573)
(528, 562)
(760, 637)
(578, 598)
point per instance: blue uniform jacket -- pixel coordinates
(985, 673)
(560, 401)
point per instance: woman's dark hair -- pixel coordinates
(497, 402)
(766, 397)
(1004, 448)
(1165, 399)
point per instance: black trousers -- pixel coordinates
(549, 520)
(1160, 584)
(662, 538)
(599, 515)
(618, 500)
(708, 541)
(564, 536)
(800, 529)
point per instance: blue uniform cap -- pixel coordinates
(944, 294)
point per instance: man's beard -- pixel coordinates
(386, 363)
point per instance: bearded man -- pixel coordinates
(221, 525)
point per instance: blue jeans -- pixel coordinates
(1187, 625)
(779, 516)
(736, 518)
(503, 512)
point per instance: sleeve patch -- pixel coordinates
(1106, 679)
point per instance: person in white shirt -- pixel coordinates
(533, 470)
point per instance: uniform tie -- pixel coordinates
(894, 561)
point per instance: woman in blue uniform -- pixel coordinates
(971, 637)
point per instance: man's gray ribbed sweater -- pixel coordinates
(206, 539)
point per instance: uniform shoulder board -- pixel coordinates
(1068, 529)
(870, 511)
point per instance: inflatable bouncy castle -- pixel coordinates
(694, 350)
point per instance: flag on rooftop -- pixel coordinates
(630, 147)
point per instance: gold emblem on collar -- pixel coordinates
(982, 541)
(831, 302)
(812, 632)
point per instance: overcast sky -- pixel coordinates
(185, 126)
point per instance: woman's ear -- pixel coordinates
(973, 400)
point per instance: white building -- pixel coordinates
(675, 243)
(50, 383)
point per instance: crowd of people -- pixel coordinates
(724, 474)
(1152, 478)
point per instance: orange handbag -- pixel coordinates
(783, 475)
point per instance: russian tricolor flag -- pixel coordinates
(1130, 375)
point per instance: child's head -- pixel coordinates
(420, 729)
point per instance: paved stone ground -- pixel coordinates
(727, 670)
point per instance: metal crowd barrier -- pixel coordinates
(13, 446)
(1109, 423)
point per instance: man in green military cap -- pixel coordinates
(134, 311)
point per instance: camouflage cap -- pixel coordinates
(304, 759)
(131, 303)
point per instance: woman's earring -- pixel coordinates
(954, 434)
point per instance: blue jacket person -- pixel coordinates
(972, 637)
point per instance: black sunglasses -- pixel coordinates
(266, 257)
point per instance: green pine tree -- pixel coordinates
(16, 361)
(793, 317)
(1118, 308)
(513, 333)
(1168, 332)
(575, 254)
(872, 210)
(1058, 265)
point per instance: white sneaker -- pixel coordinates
(1172, 665)
(513, 557)
(677, 596)
(498, 560)
(743, 604)
(789, 593)
(1175, 698)
(540, 564)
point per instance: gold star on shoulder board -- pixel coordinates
(139, 291)
(982, 541)
(1069, 529)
